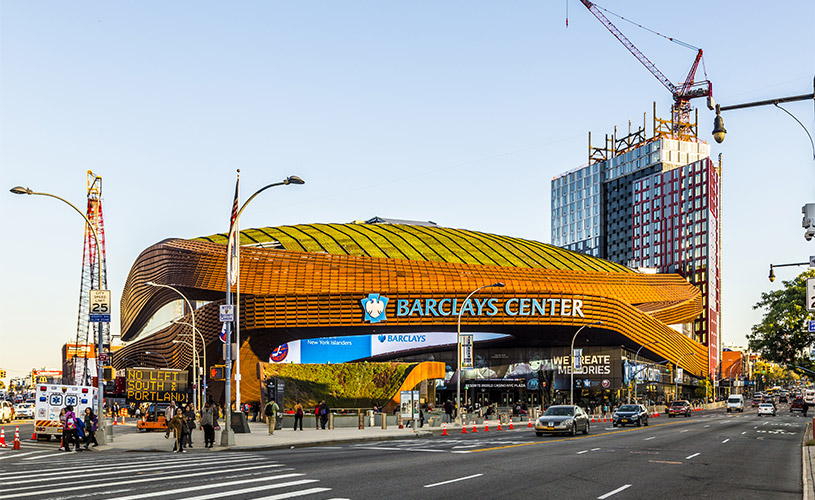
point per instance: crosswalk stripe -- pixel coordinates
(209, 486)
(293, 494)
(107, 472)
(253, 489)
(22, 454)
(82, 482)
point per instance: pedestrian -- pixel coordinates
(298, 415)
(69, 431)
(206, 425)
(177, 424)
(91, 424)
(448, 410)
(62, 426)
(317, 415)
(323, 414)
(806, 408)
(270, 411)
(216, 414)
(189, 416)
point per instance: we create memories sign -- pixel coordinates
(148, 385)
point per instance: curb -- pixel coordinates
(806, 465)
(269, 447)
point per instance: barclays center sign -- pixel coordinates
(376, 309)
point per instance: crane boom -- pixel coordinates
(631, 47)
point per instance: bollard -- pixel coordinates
(361, 421)
(371, 421)
(384, 417)
(331, 421)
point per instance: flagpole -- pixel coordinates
(237, 251)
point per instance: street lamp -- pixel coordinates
(771, 277)
(228, 436)
(571, 356)
(204, 385)
(635, 365)
(195, 356)
(458, 346)
(100, 407)
(152, 353)
(718, 123)
(676, 379)
(195, 401)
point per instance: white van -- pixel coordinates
(735, 403)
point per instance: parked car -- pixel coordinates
(766, 409)
(681, 407)
(630, 414)
(562, 418)
(6, 412)
(24, 410)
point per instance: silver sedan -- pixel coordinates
(562, 418)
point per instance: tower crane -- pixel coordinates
(681, 128)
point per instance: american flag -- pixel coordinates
(222, 336)
(234, 239)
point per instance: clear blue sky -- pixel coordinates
(460, 112)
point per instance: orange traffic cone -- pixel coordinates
(16, 445)
(115, 421)
(444, 431)
(34, 437)
(529, 426)
(3, 438)
(499, 425)
(486, 426)
(463, 429)
(513, 428)
(474, 428)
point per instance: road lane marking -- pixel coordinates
(649, 438)
(595, 449)
(694, 455)
(745, 432)
(664, 462)
(220, 494)
(452, 481)
(582, 452)
(633, 429)
(726, 440)
(708, 425)
(686, 430)
(621, 488)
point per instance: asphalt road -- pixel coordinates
(710, 455)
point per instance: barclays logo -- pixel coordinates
(374, 306)
(382, 338)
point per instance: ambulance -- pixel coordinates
(51, 399)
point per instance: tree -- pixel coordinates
(781, 336)
(704, 389)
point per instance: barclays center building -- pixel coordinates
(392, 290)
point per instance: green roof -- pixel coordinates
(421, 243)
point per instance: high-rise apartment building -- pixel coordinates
(653, 204)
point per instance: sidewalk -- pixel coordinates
(128, 438)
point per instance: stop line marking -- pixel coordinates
(621, 488)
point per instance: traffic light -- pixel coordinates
(217, 372)
(668, 368)
(2, 373)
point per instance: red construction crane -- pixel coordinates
(683, 93)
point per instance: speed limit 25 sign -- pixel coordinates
(100, 306)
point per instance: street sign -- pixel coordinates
(467, 351)
(99, 307)
(103, 356)
(812, 261)
(679, 373)
(811, 294)
(811, 326)
(227, 313)
(577, 355)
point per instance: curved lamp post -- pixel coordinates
(195, 400)
(571, 357)
(676, 379)
(458, 346)
(228, 435)
(100, 407)
(635, 365)
(153, 353)
(204, 385)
